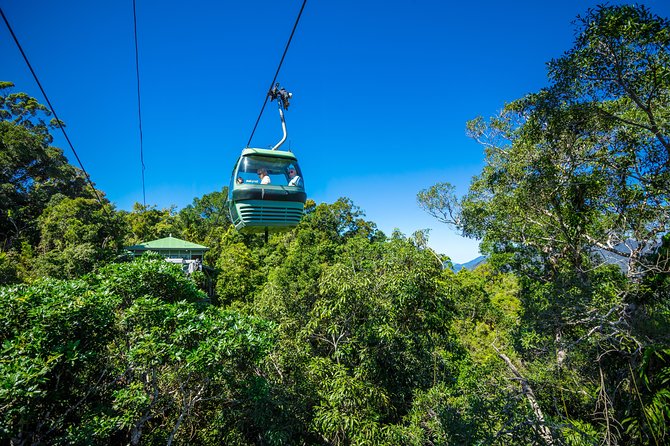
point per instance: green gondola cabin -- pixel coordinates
(267, 191)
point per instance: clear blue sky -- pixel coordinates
(382, 91)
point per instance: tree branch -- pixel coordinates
(527, 391)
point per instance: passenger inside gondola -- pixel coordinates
(294, 178)
(263, 175)
(266, 171)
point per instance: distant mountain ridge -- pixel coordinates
(618, 257)
(472, 264)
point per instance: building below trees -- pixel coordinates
(171, 248)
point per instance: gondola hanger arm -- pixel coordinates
(283, 97)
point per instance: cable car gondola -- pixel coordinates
(267, 191)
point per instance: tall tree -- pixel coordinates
(130, 355)
(583, 164)
(148, 223)
(206, 221)
(577, 178)
(75, 236)
(361, 321)
(31, 170)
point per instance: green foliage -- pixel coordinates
(334, 334)
(574, 199)
(183, 365)
(441, 202)
(366, 319)
(205, 215)
(31, 171)
(75, 236)
(488, 307)
(237, 265)
(53, 336)
(584, 164)
(339, 221)
(148, 223)
(126, 356)
(653, 395)
(150, 275)
(45, 201)
(349, 408)
(8, 272)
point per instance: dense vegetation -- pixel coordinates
(337, 334)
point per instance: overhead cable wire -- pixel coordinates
(139, 103)
(277, 72)
(53, 111)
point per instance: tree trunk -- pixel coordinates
(544, 431)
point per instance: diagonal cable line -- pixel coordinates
(53, 111)
(139, 103)
(277, 72)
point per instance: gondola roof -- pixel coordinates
(269, 152)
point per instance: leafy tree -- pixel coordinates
(205, 215)
(31, 171)
(8, 272)
(183, 368)
(360, 325)
(238, 270)
(150, 275)
(148, 223)
(441, 202)
(619, 69)
(53, 369)
(576, 178)
(654, 376)
(130, 355)
(340, 220)
(583, 165)
(187, 366)
(75, 236)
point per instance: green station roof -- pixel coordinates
(167, 243)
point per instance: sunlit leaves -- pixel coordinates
(53, 356)
(441, 202)
(574, 199)
(131, 352)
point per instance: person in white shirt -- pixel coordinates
(263, 174)
(295, 179)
